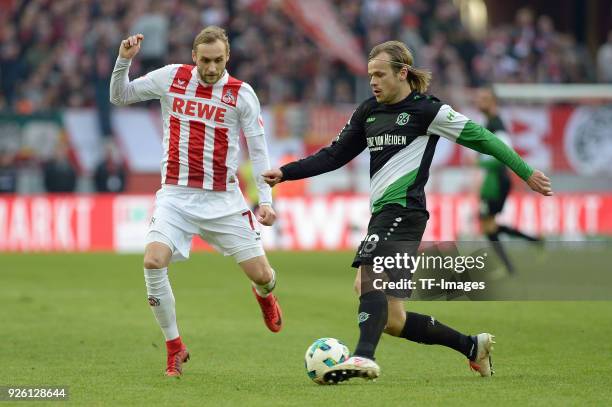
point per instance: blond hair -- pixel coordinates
(211, 34)
(400, 56)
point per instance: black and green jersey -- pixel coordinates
(496, 183)
(402, 138)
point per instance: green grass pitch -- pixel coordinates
(83, 321)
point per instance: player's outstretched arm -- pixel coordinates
(491, 145)
(350, 142)
(483, 141)
(458, 128)
(346, 147)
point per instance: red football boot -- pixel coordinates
(272, 314)
(177, 355)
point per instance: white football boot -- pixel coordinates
(355, 366)
(482, 363)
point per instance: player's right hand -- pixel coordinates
(540, 183)
(130, 46)
(272, 177)
(266, 215)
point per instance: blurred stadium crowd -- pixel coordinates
(60, 54)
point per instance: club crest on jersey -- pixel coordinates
(402, 119)
(229, 97)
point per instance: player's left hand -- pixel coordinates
(540, 183)
(266, 215)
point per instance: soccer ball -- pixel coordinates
(323, 354)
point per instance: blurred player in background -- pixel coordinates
(203, 110)
(400, 126)
(496, 184)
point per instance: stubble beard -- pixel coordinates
(207, 80)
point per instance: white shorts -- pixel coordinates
(221, 218)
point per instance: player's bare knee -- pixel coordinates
(157, 255)
(152, 262)
(264, 275)
(393, 329)
(394, 325)
(396, 317)
(258, 270)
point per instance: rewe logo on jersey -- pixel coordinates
(198, 109)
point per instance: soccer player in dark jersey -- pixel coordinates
(400, 126)
(496, 184)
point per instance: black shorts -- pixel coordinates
(394, 223)
(394, 230)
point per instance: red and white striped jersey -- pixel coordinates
(201, 125)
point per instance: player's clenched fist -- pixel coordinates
(266, 215)
(130, 46)
(272, 177)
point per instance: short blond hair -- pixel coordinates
(211, 34)
(400, 56)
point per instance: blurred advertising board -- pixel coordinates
(118, 223)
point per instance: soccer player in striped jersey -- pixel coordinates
(496, 184)
(204, 109)
(400, 126)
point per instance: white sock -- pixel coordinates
(161, 301)
(265, 289)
